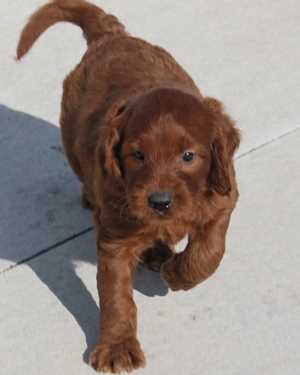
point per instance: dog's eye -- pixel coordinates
(138, 155)
(188, 156)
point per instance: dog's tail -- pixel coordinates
(94, 22)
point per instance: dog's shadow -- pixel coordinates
(41, 202)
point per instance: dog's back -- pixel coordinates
(123, 57)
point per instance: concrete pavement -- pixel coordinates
(246, 318)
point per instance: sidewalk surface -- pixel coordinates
(243, 320)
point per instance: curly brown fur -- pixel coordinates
(131, 117)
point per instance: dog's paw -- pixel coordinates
(116, 358)
(173, 278)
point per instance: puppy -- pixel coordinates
(155, 159)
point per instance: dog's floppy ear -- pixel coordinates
(225, 143)
(111, 159)
(110, 142)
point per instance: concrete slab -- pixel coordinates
(244, 320)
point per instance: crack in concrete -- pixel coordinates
(267, 143)
(47, 250)
(89, 229)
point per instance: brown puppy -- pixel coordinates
(155, 159)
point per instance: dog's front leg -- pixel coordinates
(118, 348)
(201, 257)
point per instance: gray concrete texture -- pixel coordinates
(246, 318)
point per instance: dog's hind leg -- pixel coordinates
(155, 256)
(86, 201)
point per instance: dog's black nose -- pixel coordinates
(160, 201)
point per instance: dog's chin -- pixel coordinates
(162, 216)
(149, 216)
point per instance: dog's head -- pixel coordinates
(169, 149)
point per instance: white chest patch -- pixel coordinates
(182, 244)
